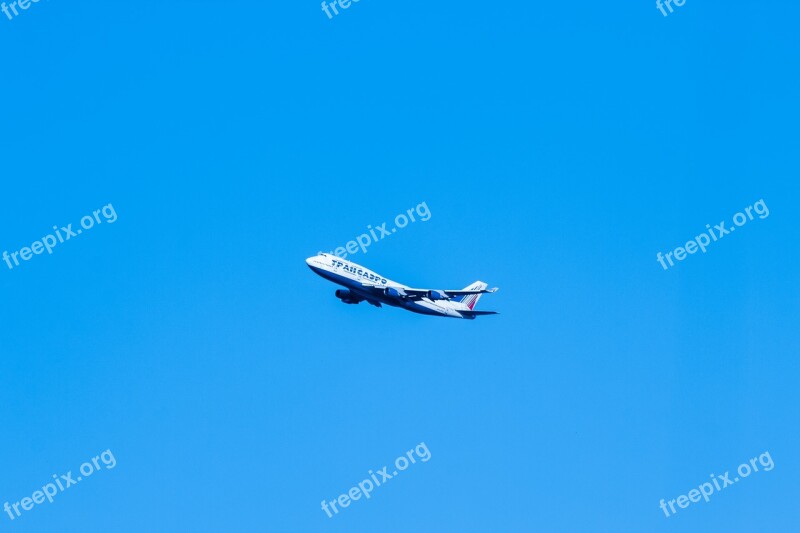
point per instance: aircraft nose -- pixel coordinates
(316, 259)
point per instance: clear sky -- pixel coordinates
(559, 146)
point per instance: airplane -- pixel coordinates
(365, 285)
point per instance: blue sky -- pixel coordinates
(559, 148)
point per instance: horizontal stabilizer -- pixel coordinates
(473, 314)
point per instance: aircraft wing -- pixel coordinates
(415, 294)
(462, 292)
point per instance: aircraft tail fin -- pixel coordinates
(471, 299)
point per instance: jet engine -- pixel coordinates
(348, 297)
(437, 295)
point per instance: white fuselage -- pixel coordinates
(353, 276)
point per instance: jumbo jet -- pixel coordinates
(365, 285)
